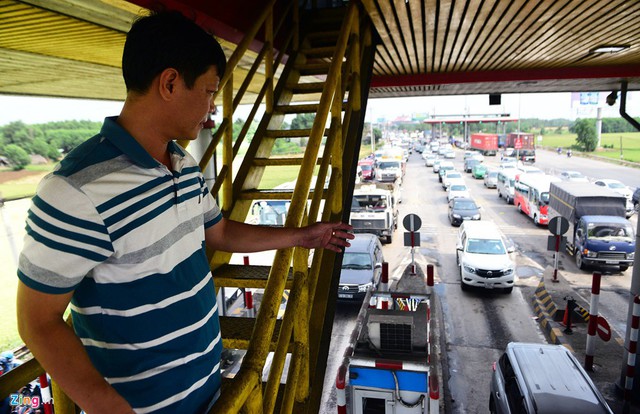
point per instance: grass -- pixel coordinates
(630, 144)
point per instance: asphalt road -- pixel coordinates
(477, 325)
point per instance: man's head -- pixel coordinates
(168, 40)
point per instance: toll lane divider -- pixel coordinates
(546, 309)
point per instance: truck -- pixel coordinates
(374, 209)
(386, 366)
(599, 235)
(487, 144)
(524, 145)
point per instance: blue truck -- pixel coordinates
(387, 365)
(599, 234)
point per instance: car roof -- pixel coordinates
(485, 228)
(554, 379)
(361, 243)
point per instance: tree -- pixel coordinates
(17, 156)
(303, 121)
(586, 131)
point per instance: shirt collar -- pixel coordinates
(126, 143)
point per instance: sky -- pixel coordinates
(33, 110)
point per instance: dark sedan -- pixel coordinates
(463, 208)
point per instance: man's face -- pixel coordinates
(194, 105)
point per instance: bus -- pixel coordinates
(531, 196)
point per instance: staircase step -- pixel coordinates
(323, 36)
(272, 194)
(244, 276)
(278, 162)
(319, 52)
(291, 133)
(236, 332)
(316, 68)
(311, 87)
(300, 108)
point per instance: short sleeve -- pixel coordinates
(65, 238)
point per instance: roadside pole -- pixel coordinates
(557, 226)
(412, 224)
(635, 291)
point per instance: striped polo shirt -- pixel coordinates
(126, 234)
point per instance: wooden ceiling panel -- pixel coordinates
(425, 47)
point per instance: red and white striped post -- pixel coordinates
(248, 300)
(593, 322)
(429, 278)
(248, 295)
(633, 349)
(434, 394)
(341, 394)
(45, 392)
(384, 284)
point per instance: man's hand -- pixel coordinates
(331, 236)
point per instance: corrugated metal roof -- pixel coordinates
(73, 48)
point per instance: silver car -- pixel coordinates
(491, 179)
(542, 378)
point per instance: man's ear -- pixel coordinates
(168, 79)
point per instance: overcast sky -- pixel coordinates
(544, 106)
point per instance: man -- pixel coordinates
(118, 231)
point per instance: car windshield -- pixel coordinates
(485, 246)
(610, 231)
(454, 175)
(365, 167)
(575, 175)
(493, 174)
(389, 164)
(360, 261)
(366, 202)
(616, 185)
(460, 204)
(458, 187)
(544, 197)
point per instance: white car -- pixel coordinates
(573, 176)
(527, 169)
(430, 159)
(457, 189)
(483, 256)
(450, 154)
(619, 188)
(450, 175)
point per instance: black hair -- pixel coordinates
(164, 40)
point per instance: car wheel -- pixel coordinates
(579, 262)
(508, 290)
(623, 268)
(389, 237)
(492, 405)
(499, 194)
(519, 208)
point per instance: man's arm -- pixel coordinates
(61, 353)
(232, 236)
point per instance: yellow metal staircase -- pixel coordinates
(323, 69)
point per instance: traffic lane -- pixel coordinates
(344, 321)
(554, 163)
(477, 324)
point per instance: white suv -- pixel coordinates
(483, 256)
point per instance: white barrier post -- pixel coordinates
(633, 349)
(45, 392)
(341, 394)
(593, 322)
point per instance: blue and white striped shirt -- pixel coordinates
(126, 235)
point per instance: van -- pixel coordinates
(506, 184)
(483, 257)
(542, 379)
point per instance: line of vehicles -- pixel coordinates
(599, 233)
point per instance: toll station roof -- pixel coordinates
(73, 47)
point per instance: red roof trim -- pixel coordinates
(622, 71)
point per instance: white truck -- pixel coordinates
(387, 365)
(374, 209)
